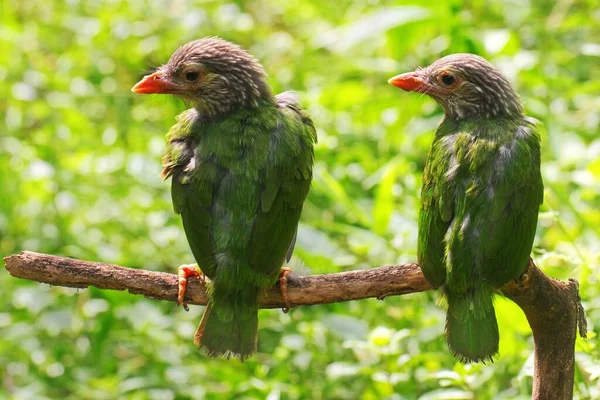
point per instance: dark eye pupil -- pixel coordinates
(191, 76)
(448, 80)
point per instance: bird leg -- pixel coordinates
(183, 273)
(283, 281)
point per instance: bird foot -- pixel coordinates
(283, 282)
(184, 272)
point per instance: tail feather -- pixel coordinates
(229, 328)
(471, 327)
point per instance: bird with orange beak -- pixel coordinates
(240, 162)
(480, 196)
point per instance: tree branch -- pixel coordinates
(552, 308)
(302, 290)
(554, 312)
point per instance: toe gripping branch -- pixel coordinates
(283, 286)
(184, 272)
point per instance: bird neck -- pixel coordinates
(482, 111)
(500, 103)
(195, 123)
(498, 128)
(217, 111)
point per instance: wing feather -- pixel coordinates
(288, 174)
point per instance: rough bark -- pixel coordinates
(554, 312)
(552, 308)
(302, 290)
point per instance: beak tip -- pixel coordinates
(151, 84)
(408, 82)
(138, 88)
(397, 81)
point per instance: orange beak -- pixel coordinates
(154, 83)
(410, 81)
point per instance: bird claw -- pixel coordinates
(283, 281)
(183, 273)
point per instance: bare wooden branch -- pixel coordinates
(302, 290)
(552, 308)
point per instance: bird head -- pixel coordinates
(465, 85)
(213, 75)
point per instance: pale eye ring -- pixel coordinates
(448, 79)
(192, 76)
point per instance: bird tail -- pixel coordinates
(471, 327)
(229, 326)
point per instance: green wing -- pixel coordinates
(508, 234)
(287, 177)
(437, 206)
(435, 216)
(192, 189)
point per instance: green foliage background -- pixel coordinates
(79, 176)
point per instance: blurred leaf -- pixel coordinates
(79, 176)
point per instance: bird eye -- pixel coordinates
(448, 79)
(192, 76)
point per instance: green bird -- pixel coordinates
(480, 196)
(240, 162)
